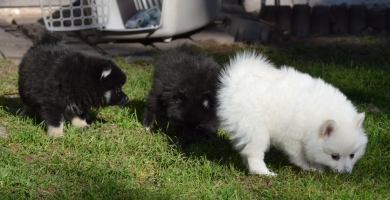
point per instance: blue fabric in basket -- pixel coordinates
(145, 18)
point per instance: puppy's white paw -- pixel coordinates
(312, 167)
(55, 131)
(257, 166)
(77, 121)
(271, 174)
(268, 173)
(316, 170)
(85, 128)
(147, 128)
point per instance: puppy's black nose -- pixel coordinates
(124, 100)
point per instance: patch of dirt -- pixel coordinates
(13, 147)
(47, 191)
(252, 182)
(28, 158)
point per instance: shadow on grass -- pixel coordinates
(137, 107)
(13, 106)
(214, 147)
(374, 101)
(11, 103)
(345, 52)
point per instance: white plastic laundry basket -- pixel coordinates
(177, 17)
(69, 15)
(108, 17)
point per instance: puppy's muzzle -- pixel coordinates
(123, 101)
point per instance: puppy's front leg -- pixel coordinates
(150, 112)
(81, 121)
(54, 120)
(297, 156)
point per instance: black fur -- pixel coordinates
(184, 88)
(61, 83)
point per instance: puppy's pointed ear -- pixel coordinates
(358, 120)
(206, 99)
(106, 71)
(327, 129)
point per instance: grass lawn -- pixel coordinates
(117, 159)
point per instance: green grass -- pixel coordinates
(117, 159)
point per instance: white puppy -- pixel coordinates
(310, 120)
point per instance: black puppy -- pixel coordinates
(184, 88)
(61, 83)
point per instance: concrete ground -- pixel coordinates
(20, 28)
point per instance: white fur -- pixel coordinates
(107, 95)
(77, 121)
(56, 131)
(206, 103)
(305, 117)
(106, 72)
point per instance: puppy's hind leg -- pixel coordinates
(81, 121)
(253, 154)
(54, 121)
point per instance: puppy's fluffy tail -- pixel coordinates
(234, 79)
(49, 38)
(243, 64)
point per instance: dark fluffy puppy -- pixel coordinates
(184, 88)
(61, 83)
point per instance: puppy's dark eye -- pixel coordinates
(335, 157)
(351, 156)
